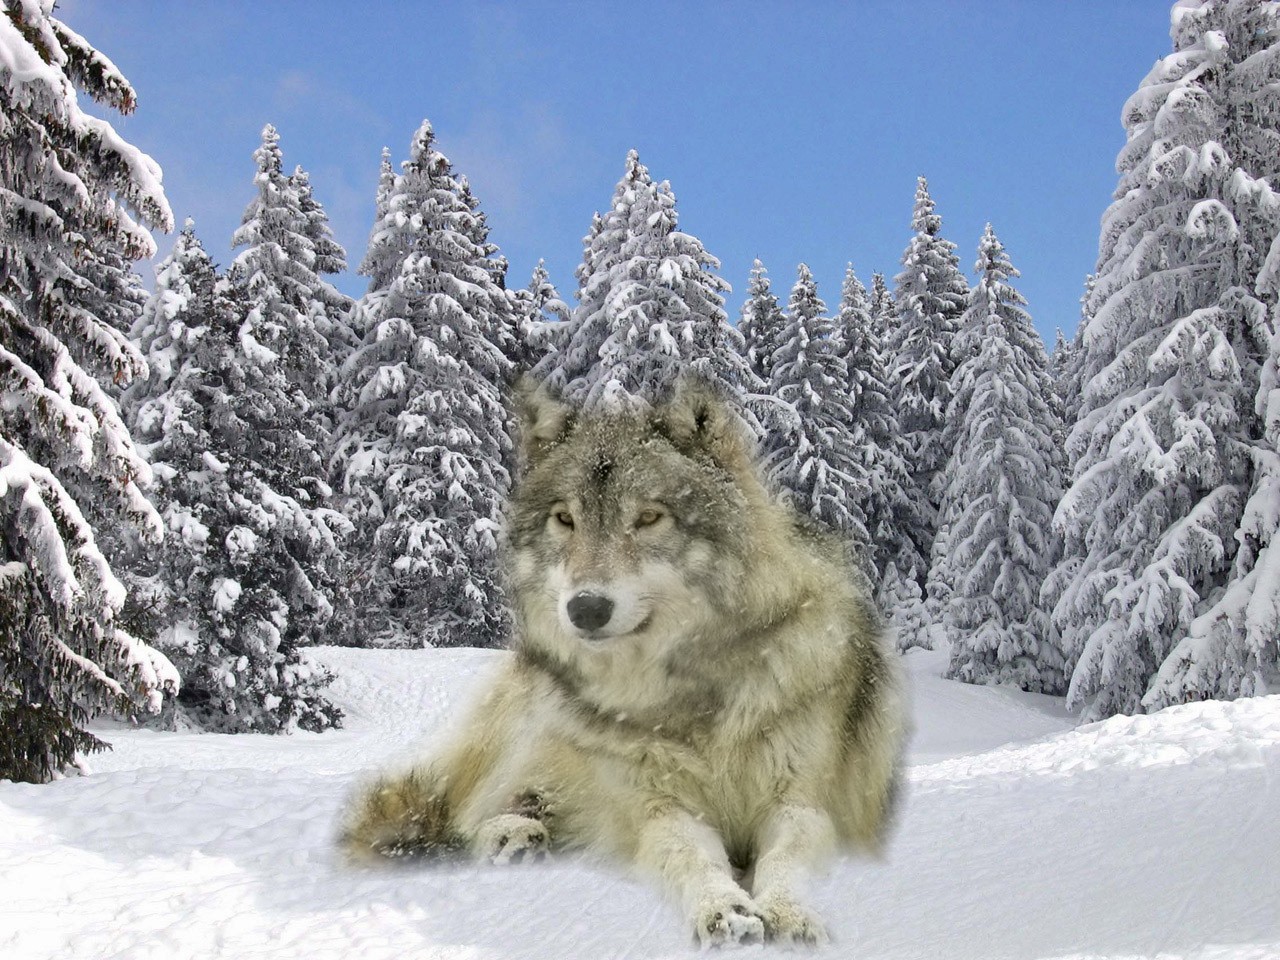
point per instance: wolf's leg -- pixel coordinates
(402, 816)
(792, 838)
(690, 858)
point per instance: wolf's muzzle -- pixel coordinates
(589, 611)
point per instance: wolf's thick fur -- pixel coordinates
(734, 718)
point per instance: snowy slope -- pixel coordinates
(1021, 836)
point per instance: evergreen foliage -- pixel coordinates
(293, 311)
(883, 310)
(887, 499)
(762, 323)
(70, 190)
(1160, 596)
(240, 579)
(903, 603)
(422, 450)
(382, 260)
(541, 317)
(816, 462)
(1002, 484)
(650, 306)
(930, 297)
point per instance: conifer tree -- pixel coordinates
(540, 315)
(240, 578)
(75, 203)
(901, 600)
(422, 449)
(883, 309)
(930, 297)
(888, 501)
(1162, 540)
(762, 323)
(993, 295)
(816, 462)
(650, 306)
(381, 260)
(1065, 365)
(300, 325)
(1002, 484)
(293, 311)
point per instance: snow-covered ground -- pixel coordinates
(1021, 836)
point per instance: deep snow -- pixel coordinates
(1021, 836)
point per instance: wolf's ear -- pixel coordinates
(696, 418)
(544, 420)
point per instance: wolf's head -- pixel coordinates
(630, 524)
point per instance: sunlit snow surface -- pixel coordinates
(1020, 836)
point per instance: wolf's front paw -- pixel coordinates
(511, 838)
(785, 921)
(728, 918)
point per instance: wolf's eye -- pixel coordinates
(648, 518)
(564, 518)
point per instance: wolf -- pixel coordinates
(698, 686)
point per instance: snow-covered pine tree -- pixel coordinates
(285, 248)
(506, 332)
(883, 310)
(650, 307)
(1233, 647)
(1002, 483)
(1162, 537)
(762, 323)
(903, 604)
(930, 297)
(382, 260)
(239, 580)
(589, 325)
(75, 201)
(889, 503)
(422, 447)
(285, 245)
(993, 295)
(1065, 365)
(816, 462)
(540, 315)
(332, 308)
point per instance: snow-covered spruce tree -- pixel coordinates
(285, 246)
(993, 295)
(816, 462)
(650, 306)
(930, 297)
(1002, 484)
(762, 323)
(239, 579)
(1162, 540)
(903, 605)
(382, 260)
(70, 190)
(889, 502)
(1065, 363)
(332, 307)
(422, 448)
(285, 249)
(541, 316)
(506, 332)
(883, 310)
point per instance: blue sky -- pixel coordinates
(792, 132)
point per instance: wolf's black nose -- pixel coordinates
(590, 611)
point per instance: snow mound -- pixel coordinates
(1226, 735)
